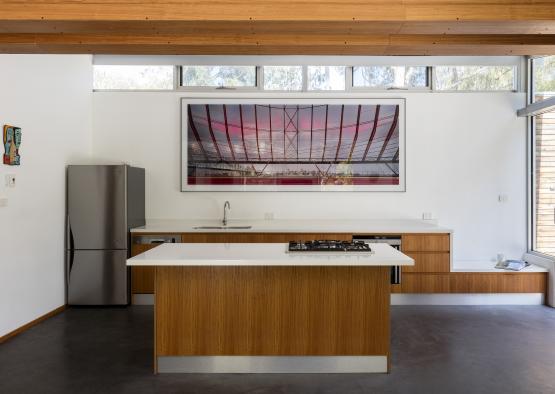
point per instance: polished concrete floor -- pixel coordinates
(489, 349)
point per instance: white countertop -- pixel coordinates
(489, 266)
(263, 254)
(360, 226)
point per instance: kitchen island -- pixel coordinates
(256, 308)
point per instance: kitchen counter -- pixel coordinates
(366, 226)
(263, 254)
(257, 308)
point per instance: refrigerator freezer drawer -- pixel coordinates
(97, 277)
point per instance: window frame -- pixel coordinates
(219, 89)
(172, 89)
(427, 88)
(531, 192)
(303, 79)
(518, 63)
(516, 79)
(347, 69)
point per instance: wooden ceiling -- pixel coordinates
(323, 27)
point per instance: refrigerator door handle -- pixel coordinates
(71, 245)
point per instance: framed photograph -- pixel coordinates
(236, 144)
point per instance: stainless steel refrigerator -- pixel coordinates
(103, 203)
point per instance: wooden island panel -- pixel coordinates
(272, 311)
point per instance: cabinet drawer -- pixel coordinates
(425, 243)
(475, 282)
(428, 262)
(422, 283)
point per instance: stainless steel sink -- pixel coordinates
(222, 227)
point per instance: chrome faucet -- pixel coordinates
(226, 207)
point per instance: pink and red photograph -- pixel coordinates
(298, 145)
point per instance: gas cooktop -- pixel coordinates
(329, 246)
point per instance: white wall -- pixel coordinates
(463, 150)
(49, 97)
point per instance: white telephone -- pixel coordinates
(512, 265)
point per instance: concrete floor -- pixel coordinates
(443, 349)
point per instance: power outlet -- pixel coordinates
(269, 216)
(10, 180)
(427, 216)
(3, 202)
(502, 198)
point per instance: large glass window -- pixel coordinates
(132, 77)
(543, 149)
(543, 71)
(544, 183)
(218, 76)
(484, 78)
(283, 77)
(385, 77)
(326, 78)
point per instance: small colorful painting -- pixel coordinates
(12, 142)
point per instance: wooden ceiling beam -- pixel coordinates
(268, 10)
(357, 27)
(258, 27)
(201, 44)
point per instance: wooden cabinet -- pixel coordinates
(430, 274)
(261, 237)
(432, 263)
(426, 243)
(498, 282)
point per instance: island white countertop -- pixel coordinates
(358, 226)
(263, 254)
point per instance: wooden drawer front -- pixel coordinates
(428, 262)
(425, 243)
(422, 283)
(474, 282)
(258, 237)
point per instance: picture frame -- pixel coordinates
(293, 144)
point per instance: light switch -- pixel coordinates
(10, 180)
(3, 202)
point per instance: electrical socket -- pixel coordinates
(427, 216)
(503, 198)
(269, 216)
(3, 202)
